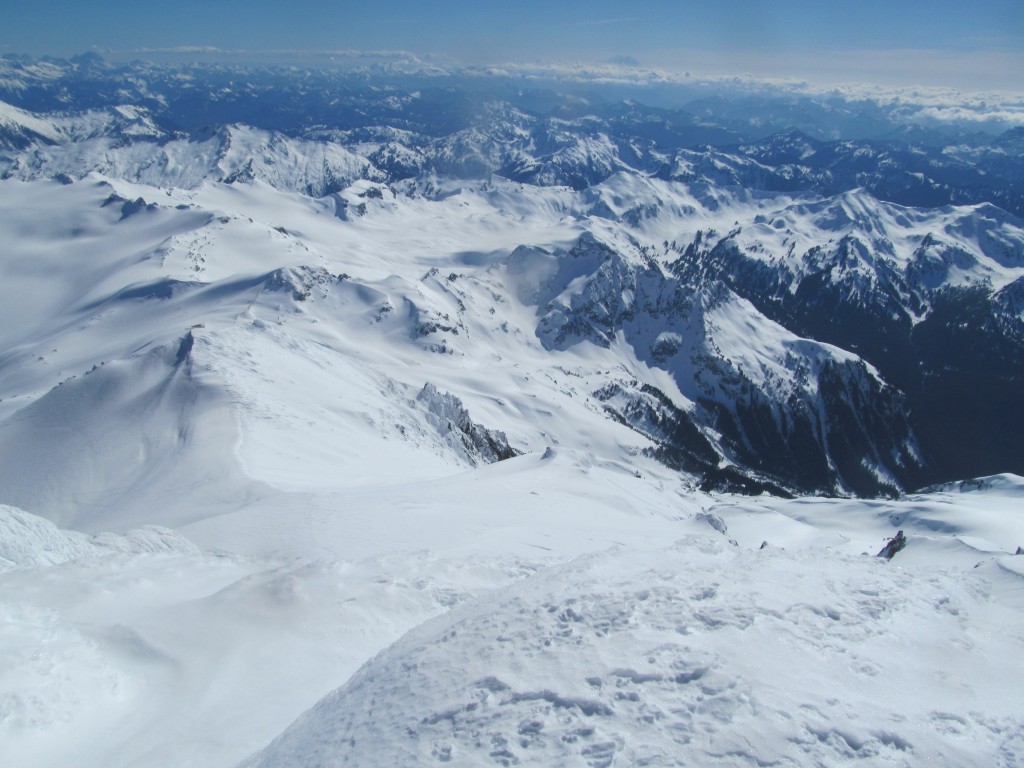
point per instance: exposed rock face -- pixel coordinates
(794, 413)
(948, 342)
(473, 442)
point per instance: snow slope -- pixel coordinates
(699, 653)
(565, 627)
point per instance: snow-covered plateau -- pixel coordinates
(526, 443)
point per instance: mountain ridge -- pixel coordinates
(785, 325)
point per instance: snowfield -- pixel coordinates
(252, 514)
(699, 653)
(528, 613)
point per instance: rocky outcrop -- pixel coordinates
(475, 443)
(784, 412)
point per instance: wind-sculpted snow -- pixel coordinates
(93, 449)
(696, 654)
(28, 541)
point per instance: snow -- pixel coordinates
(763, 350)
(20, 121)
(28, 541)
(237, 532)
(690, 654)
(552, 607)
(233, 153)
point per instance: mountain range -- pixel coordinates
(408, 415)
(883, 278)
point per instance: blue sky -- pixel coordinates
(863, 40)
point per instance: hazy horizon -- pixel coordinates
(936, 44)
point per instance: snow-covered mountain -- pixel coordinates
(314, 384)
(890, 287)
(789, 343)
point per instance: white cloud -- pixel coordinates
(982, 104)
(951, 114)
